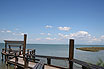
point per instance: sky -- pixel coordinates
(52, 21)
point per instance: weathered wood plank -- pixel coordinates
(13, 42)
(52, 57)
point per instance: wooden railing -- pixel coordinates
(86, 65)
(71, 59)
(51, 57)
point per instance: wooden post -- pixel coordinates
(5, 50)
(24, 45)
(20, 50)
(2, 54)
(27, 51)
(33, 53)
(5, 47)
(48, 61)
(16, 61)
(26, 62)
(9, 48)
(71, 53)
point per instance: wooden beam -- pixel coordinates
(24, 46)
(71, 53)
(13, 42)
(52, 57)
(24, 49)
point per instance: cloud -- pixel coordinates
(48, 34)
(8, 31)
(2, 31)
(42, 33)
(20, 33)
(45, 34)
(48, 26)
(64, 28)
(48, 38)
(81, 37)
(38, 39)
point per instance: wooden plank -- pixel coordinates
(13, 42)
(52, 57)
(71, 53)
(39, 65)
(16, 45)
(31, 64)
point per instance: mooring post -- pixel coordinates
(48, 61)
(71, 53)
(20, 50)
(5, 46)
(16, 60)
(33, 53)
(5, 50)
(9, 48)
(2, 54)
(26, 62)
(24, 46)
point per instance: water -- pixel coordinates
(62, 50)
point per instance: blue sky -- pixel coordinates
(53, 21)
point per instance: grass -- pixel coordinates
(100, 63)
(91, 49)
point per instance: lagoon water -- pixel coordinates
(62, 50)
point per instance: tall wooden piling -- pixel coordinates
(48, 61)
(24, 49)
(71, 52)
(20, 50)
(24, 46)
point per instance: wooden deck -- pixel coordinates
(30, 65)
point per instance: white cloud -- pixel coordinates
(48, 34)
(8, 31)
(62, 35)
(81, 36)
(48, 38)
(42, 33)
(48, 26)
(64, 28)
(38, 39)
(20, 33)
(2, 31)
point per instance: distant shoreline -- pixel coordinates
(91, 49)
